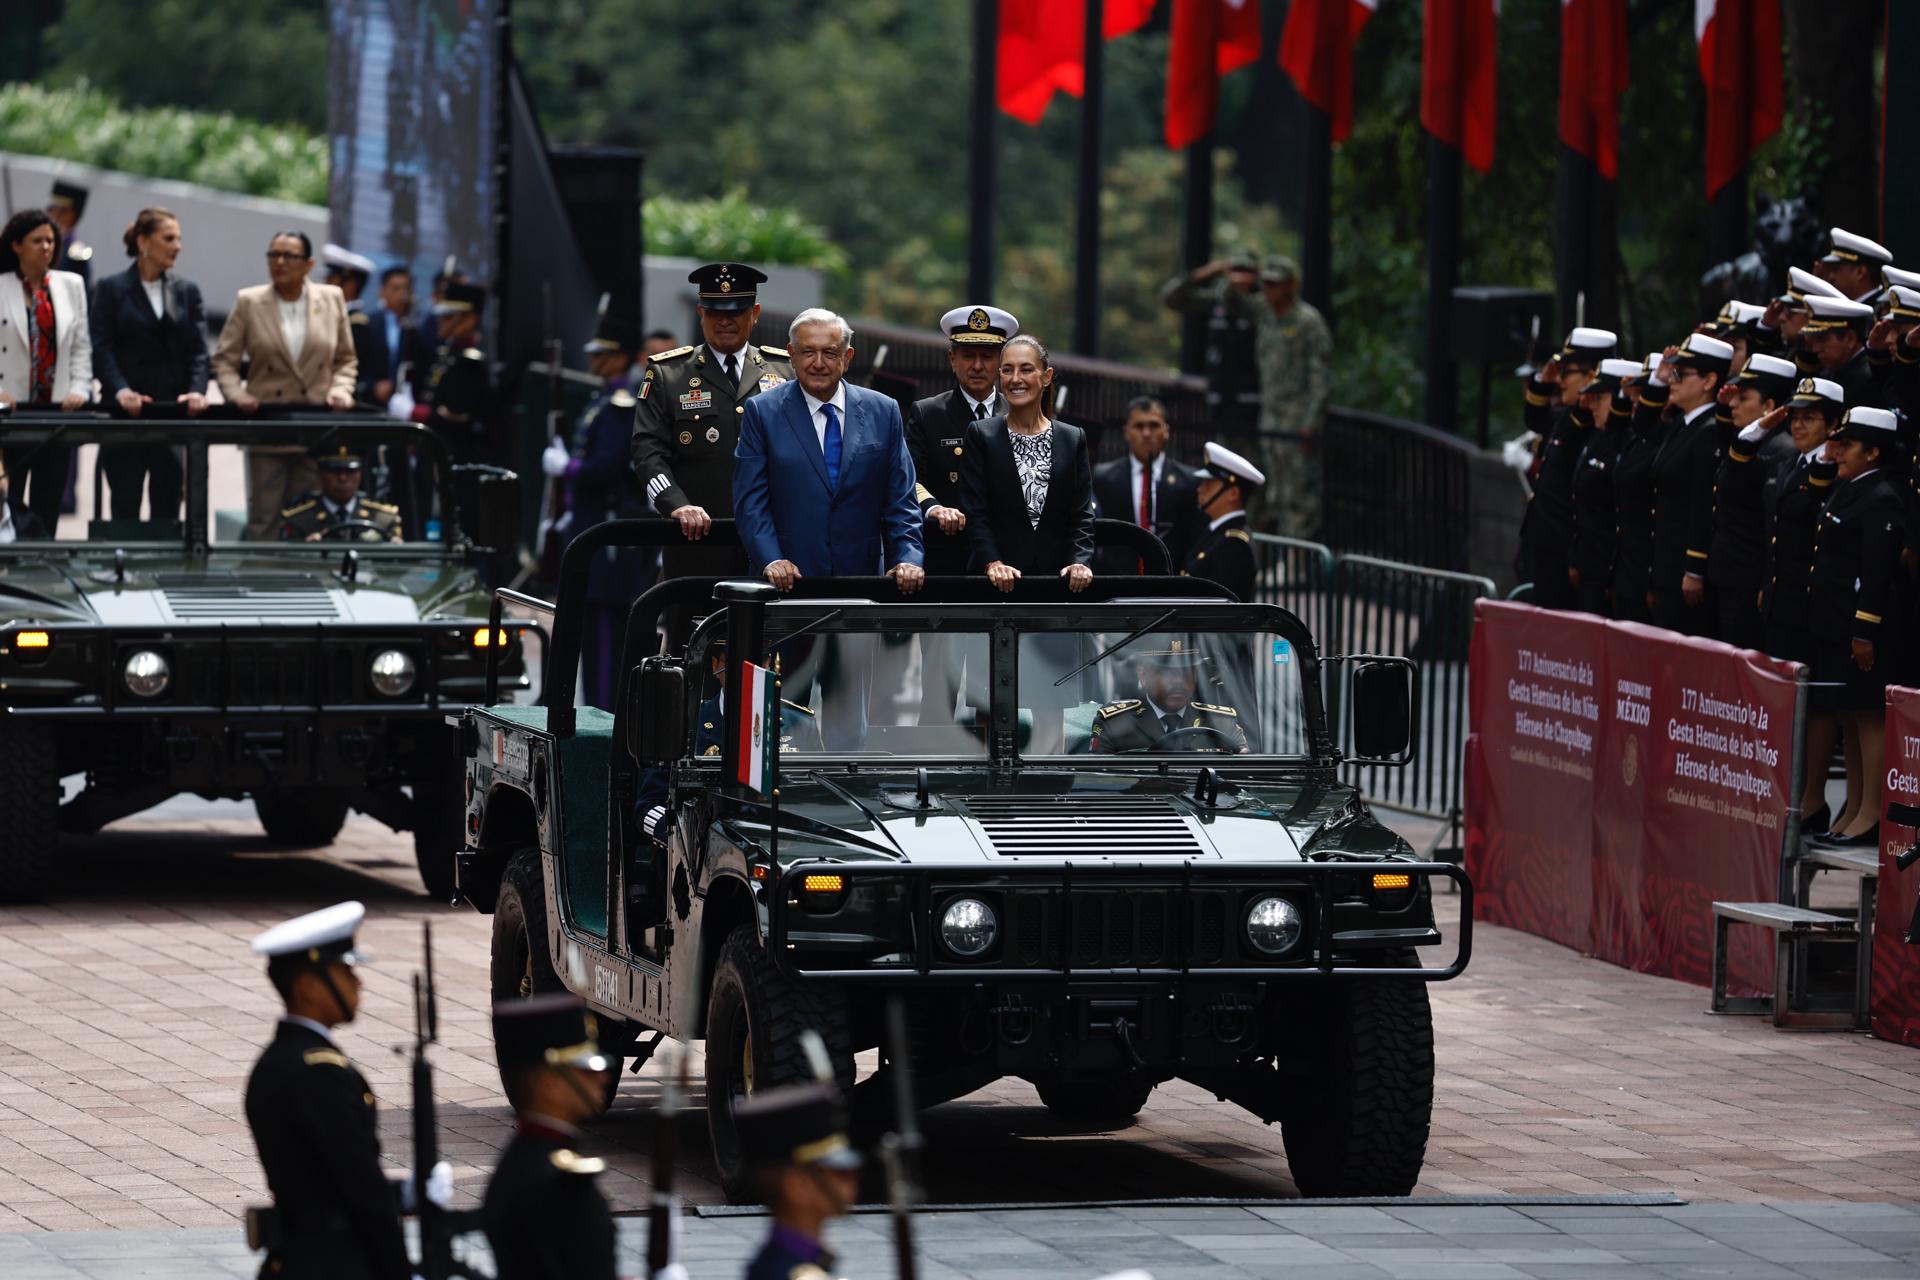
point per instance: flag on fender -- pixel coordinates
(1316, 52)
(1593, 75)
(1459, 74)
(759, 728)
(1740, 57)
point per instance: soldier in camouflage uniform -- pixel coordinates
(1226, 292)
(1296, 377)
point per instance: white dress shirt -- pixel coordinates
(310, 1025)
(7, 530)
(155, 298)
(293, 323)
(1134, 468)
(975, 406)
(839, 403)
(1217, 521)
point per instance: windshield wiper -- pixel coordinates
(815, 625)
(1115, 647)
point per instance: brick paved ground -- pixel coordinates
(131, 1012)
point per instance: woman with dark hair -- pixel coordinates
(149, 347)
(46, 357)
(1027, 484)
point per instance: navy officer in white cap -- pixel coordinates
(1853, 263)
(313, 1116)
(1222, 551)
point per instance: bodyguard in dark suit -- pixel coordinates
(390, 339)
(149, 349)
(1744, 494)
(1147, 488)
(1684, 466)
(335, 1216)
(16, 522)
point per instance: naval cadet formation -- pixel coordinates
(1753, 483)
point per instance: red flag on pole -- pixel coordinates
(1593, 75)
(1740, 57)
(1458, 76)
(1042, 48)
(1316, 52)
(1211, 38)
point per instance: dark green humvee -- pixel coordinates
(156, 657)
(1093, 910)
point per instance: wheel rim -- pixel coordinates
(746, 1064)
(526, 964)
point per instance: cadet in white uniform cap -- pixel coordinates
(1853, 264)
(1893, 351)
(1836, 336)
(1546, 532)
(1684, 465)
(334, 1216)
(1222, 552)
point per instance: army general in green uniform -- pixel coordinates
(1165, 716)
(688, 419)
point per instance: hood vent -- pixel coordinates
(1083, 825)
(251, 599)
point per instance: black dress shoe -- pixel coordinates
(1817, 822)
(1868, 839)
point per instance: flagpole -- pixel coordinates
(1316, 214)
(983, 143)
(1573, 234)
(1086, 274)
(1443, 275)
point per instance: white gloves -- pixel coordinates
(440, 1185)
(672, 1271)
(401, 404)
(555, 459)
(1755, 432)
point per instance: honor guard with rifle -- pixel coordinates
(794, 1140)
(545, 1216)
(335, 1215)
(688, 420)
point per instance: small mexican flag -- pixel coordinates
(759, 728)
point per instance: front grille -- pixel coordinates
(270, 599)
(1113, 928)
(269, 676)
(1117, 825)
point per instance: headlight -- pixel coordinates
(391, 672)
(1273, 926)
(146, 674)
(968, 927)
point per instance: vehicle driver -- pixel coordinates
(1168, 677)
(807, 1173)
(338, 502)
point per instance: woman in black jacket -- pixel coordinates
(1026, 483)
(149, 348)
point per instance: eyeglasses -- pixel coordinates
(285, 255)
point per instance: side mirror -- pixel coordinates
(496, 513)
(657, 711)
(1382, 710)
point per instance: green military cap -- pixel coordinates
(1242, 260)
(1278, 268)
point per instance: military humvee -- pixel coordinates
(163, 655)
(1094, 910)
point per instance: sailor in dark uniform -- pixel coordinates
(459, 389)
(936, 439)
(314, 516)
(335, 1216)
(1744, 494)
(545, 1216)
(1836, 336)
(1596, 533)
(1222, 551)
(67, 204)
(1852, 264)
(1684, 466)
(1546, 532)
(794, 1142)
(1168, 676)
(688, 420)
(1633, 499)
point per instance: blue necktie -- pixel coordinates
(831, 445)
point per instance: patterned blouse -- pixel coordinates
(1033, 460)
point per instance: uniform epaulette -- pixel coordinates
(473, 353)
(324, 1058)
(674, 354)
(1115, 708)
(1241, 534)
(1218, 711)
(385, 508)
(807, 1271)
(573, 1162)
(623, 399)
(79, 253)
(805, 711)
(781, 352)
(287, 513)
(358, 317)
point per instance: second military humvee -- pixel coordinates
(1052, 886)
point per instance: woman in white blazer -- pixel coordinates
(46, 355)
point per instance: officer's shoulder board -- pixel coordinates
(1241, 534)
(623, 399)
(288, 513)
(1115, 708)
(778, 353)
(793, 706)
(573, 1162)
(358, 317)
(1218, 711)
(384, 508)
(324, 1058)
(77, 252)
(473, 353)
(674, 354)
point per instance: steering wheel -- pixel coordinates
(352, 528)
(1190, 733)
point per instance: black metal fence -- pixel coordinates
(1396, 490)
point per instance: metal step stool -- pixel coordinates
(1793, 928)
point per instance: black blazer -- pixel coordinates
(936, 437)
(26, 525)
(997, 521)
(1174, 512)
(376, 361)
(160, 356)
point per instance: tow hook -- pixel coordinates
(1123, 1030)
(1014, 1020)
(1231, 1019)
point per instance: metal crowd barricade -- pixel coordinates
(1396, 489)
(1297, 576)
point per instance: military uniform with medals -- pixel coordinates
(798, 732)
(1133, 724)
(312, 513)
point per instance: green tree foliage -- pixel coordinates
(733, 228)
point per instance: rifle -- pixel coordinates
(437, 1226)
(662, 1213)
(900, 1149)
(552, 538)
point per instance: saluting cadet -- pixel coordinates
(65, 207)
(1169, 677)
(1633, 498)
(1738, 325)
(1223, 551)
(335, 1216)
(1836, 336)
(794, 1143)
(1852, 264)
(1553, 395)
(338, 502)
(545, 1216)
(1684, 466)
(688, 420)
(1788, 314)
(1893, 350)
(1745, 492)
(1596, 533)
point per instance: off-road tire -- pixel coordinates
(521, 965)
(1105, 1104)
(30, 803)
(301, 819)
(1359, 1126)
(751, 991)
(439, 824)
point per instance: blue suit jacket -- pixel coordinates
(787, 511)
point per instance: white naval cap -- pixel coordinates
(326, 934)
(1804, 284)
(1830, 314)
(1737, 312)
(1819, 391)
(337, 258)
(1869, 425)
(1701, 347)
(1760, 363)
(1903, 303)
(1224, 464)
(1615, 368)
(979, 325)
(1848, 247)
(1593, 343)
(1891, 276)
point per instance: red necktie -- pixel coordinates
(1146, 497)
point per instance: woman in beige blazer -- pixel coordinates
(294, 338)
(42, 363)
